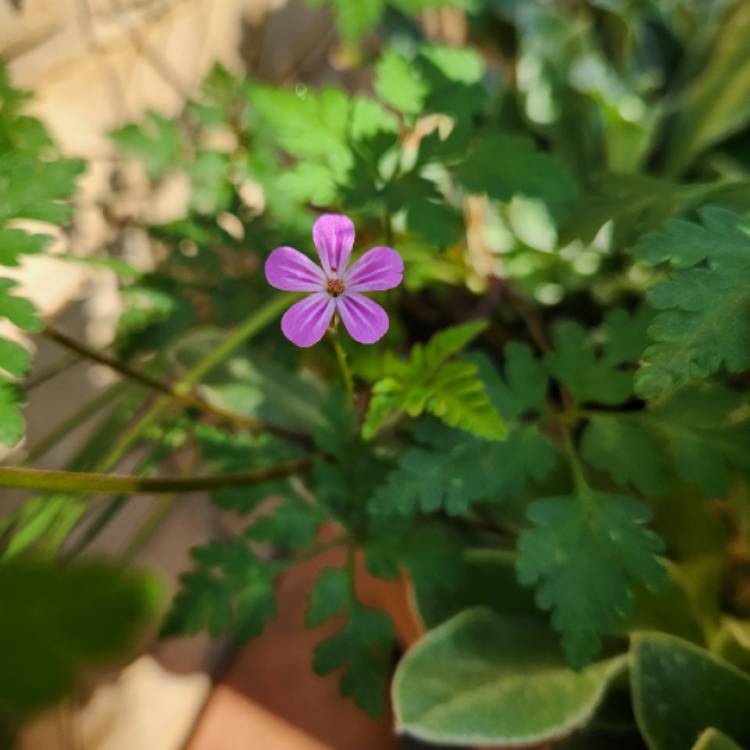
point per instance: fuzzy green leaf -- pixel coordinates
(483, 679)
(585, 555)
(680, 689)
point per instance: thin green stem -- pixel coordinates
(66, 481)
(346, 372)
(576, 469)
(177, 392)
(70, 423)
(252, 326)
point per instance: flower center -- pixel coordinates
(335, 287)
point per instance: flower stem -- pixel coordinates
(346, 372)
(67, 481)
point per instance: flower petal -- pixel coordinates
(333, 235)
(365, 320)
(378, 269)
(287, 269)
(305, 322)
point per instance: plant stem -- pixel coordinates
(579, 479)
(253, 325)
(67, 481)
(346, 373)
(177, 392)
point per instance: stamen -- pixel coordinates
(335, 287)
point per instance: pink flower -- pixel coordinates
(334, 287)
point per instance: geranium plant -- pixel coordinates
(542, 425)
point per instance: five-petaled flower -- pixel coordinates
(336, 287)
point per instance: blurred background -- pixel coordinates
(93, 65)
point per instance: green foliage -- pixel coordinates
(32, 186)
(483, 679)
(230, 589)
(56, 621)
(585, 553)
(505, 165)
(702, 324)
(362, 650)
(588, 377)
(550, 179)
(155, 142)
(427, 382)
(680, 690)
(356, 19)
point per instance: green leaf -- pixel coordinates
(398, 83)
(14, 359)
(362, 649)
(454, 470)
(449, 390)
(292, 524)
(704, 437)
(625, 335)
(34, 189)
(483, 679)
(585, 555)
(703, 324)
(312, 125)
(483, 577)
(229, 590)
(329, 596)
(209, 175)
(15, 243)
(12, 424)
(637, 204)
(713, 739)
(680, 689)
(355, 19)
(628, 452)
(575, 364)
(55, 621)
(17, 310)
(460, 399)
(505, 165)
(156, 141)
(524, 386)
(715, 103)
